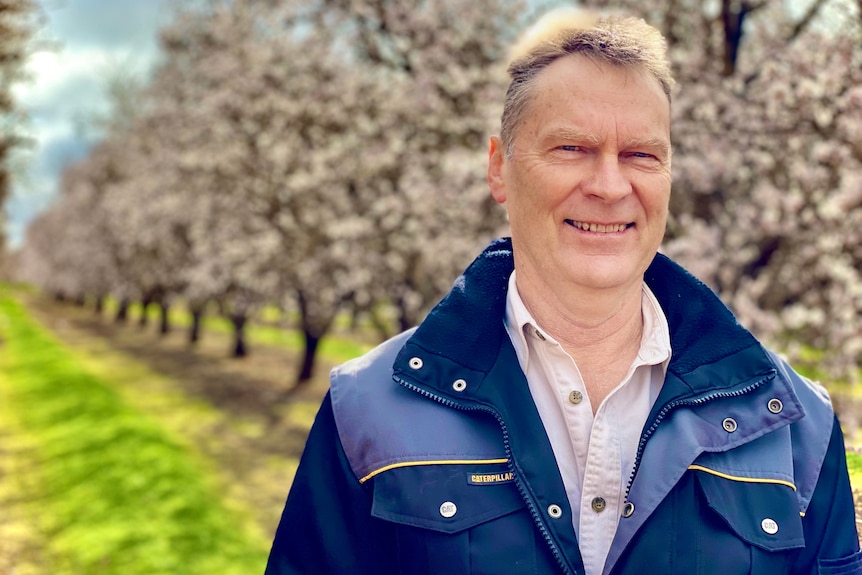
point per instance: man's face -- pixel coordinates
(588, 182)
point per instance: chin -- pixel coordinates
(605, 275)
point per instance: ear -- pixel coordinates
(496, 162)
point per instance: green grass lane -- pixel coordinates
(109, 490)
(854, 465)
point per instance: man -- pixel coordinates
(577, 403)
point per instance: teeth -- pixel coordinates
(600, 228)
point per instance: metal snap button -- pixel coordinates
(448, 509)
(576, 397)
(416, 363)
(459, 385)
(769, 526)
(628, 509)
(555, 511)
(598, 504)
(775, 406)
(729, 425)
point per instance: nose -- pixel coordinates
(607, 181)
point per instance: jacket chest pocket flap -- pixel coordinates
(458, 519)
(445, 498)
(762, 514)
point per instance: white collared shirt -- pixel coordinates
(595, 454)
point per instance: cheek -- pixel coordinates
(657, 200)
(660, 206)
(535, 194)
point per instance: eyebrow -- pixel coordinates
(661, 143)
(593, 139)
(576, 135)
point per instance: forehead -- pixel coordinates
(577, 89)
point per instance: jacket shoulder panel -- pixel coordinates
(810, 435)
(384, 425)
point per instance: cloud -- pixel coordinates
(107, 24)
(93, 39)
(63, 82)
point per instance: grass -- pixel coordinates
(110, 491)
(854, 465)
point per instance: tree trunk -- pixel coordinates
(100, 304)
(164, 325)
(195, 331)
(306, 370)
(406, 319)
(380, 325)
(314, 327)
(144, 320)
(122, 311)
(239, 349)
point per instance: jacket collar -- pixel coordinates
(466, 326)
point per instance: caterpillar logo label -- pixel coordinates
(489, 478)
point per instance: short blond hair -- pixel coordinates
(616, 40)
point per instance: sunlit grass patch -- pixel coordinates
(854, 465)
(114, 492)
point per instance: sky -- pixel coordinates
(89, 40)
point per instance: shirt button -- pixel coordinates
(576, 397)
(539, 335)
(598, 504)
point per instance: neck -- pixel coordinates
(592, 325)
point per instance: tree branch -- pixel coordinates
(807, 18)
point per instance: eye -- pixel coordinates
(570, 148)
(642, 155)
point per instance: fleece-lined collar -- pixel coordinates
(466, 326)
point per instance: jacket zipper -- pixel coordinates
(673, 405)
(534, 512)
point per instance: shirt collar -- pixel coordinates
(520, 324)
(655, 342)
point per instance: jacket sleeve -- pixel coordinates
(832, 543)
(326, 527)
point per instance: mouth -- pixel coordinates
(599, 228)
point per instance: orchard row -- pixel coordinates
(329, 156)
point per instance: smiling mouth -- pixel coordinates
(600, 228)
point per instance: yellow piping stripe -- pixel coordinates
(439, 462)
(743, 479)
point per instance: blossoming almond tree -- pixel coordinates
(767, 199)
(19, 21)
(330, 155)
(364, 165)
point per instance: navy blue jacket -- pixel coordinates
(428, 456)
